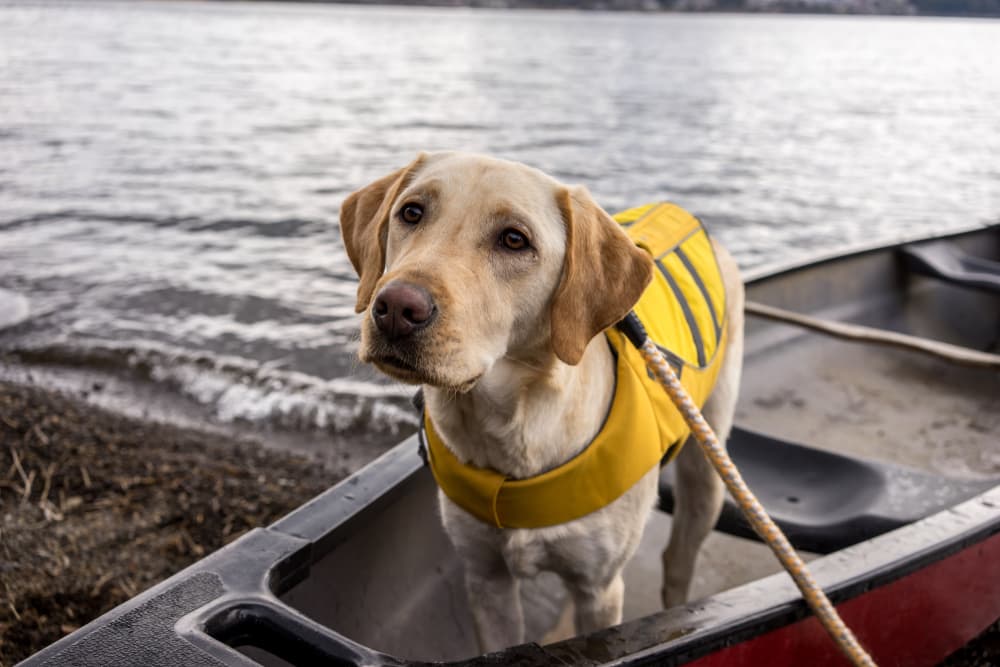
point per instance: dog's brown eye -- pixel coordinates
(411, 214)
(513, 239)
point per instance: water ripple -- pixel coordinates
(172, 172)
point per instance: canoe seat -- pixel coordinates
(944, 261)
(825, 501)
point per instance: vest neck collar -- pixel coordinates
(624, 449)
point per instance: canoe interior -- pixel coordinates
(871, 401)
(395, 584)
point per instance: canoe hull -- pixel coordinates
(944, 604)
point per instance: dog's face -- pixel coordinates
(465, 259)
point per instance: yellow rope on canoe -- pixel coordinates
(753, 510)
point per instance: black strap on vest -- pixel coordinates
(418, 403)
(633, 329)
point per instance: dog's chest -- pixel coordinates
(518, 443)
(526, 552)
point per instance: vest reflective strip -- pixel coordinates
(692, 323)
(704, 290)
(702, 286)
(686, 310)
(675, 362)
(661, 229)
(636, 215)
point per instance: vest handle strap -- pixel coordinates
(632, 327)
(418, 403)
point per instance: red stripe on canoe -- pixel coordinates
(915, 621)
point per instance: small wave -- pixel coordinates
(14, 308)
(279, 227)
(269, 227)
(441, 125)
(545, 144)
(236, 389)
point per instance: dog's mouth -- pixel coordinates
(404, 365)
(397, 367)
(406, 370)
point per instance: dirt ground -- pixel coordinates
(95, 508)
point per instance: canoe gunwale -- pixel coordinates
(770, 270)
(327, 519)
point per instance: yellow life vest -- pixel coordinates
(683, 311)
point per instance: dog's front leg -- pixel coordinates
(491, 589)
(496, 606)
(698, 497)
(598, 606)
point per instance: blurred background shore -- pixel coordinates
(886, 7)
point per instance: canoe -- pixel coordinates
(881, 461)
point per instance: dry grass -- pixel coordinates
(95, 508)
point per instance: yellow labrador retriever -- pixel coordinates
(489, 283)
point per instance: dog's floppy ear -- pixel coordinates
(604, 274)
(364, 218)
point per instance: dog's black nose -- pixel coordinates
(401, 308)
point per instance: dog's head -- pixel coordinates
(465, 259)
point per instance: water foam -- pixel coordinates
(239, 390)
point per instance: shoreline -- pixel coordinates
(691, 7)
(900, 8)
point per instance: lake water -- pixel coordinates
(170, 173)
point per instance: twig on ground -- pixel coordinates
(44, 439)
(17, 465)
(27, 487)
(47, 486)
(99, 584)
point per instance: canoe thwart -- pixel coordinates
(825, 501)
(944, 261)
(864, 334)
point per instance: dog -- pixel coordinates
(490, 284)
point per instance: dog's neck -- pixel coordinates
(527, 414)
